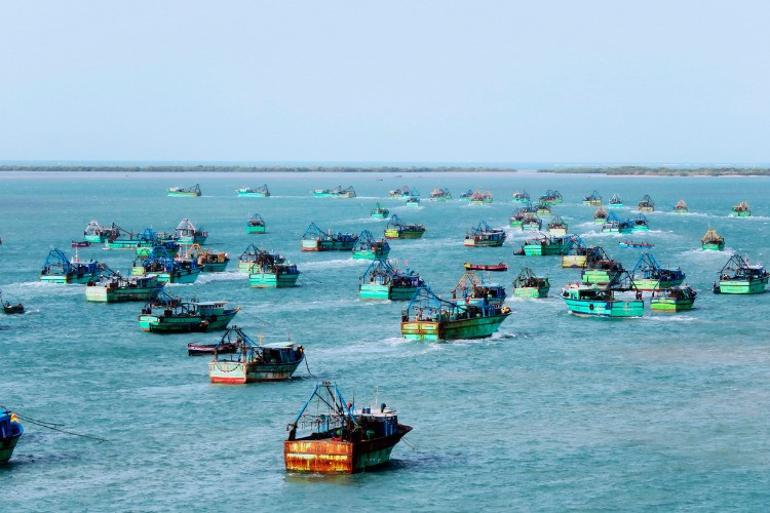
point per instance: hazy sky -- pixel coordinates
(483, 81)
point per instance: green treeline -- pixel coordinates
(664, 171)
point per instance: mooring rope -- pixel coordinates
(52, 425)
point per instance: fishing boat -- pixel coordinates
(272, 270)
(256, 224)
(256, 192)
(382, 280)
(675, 299)
(520, 197)
(593, 200)
(315, 239)
(187, 233)
(168, 269)
(543, 209)
(646, 204)
(628, 243)
(369, 248)
(339, 192)
(340, 439)
(144, 249)
(466, 196)
(395, 229)
(517, 219)
(248, 258)
(95, 233)
(681, 207)
(531, 223)
(528, 285)
(402, 192)
(11, 430)
(80, 244)
(613, 224)
(207, 260)
(484, 236)
(167, 314)
(648, 275)
(638, 224)
(11, 308)
(440, 194)
(413, 201)
(481, 198)
(120, 238)
(185, 192)
(576, 255)
(113, 287)
(545, 245)
(557, 227)
(430, 318)
(495, 268)
(616, 300)
(741, 210)
(600, 216)
(551, 197)
(471, 290)
(712, 241)
(379, 212)
(253, 361)
(194, 349)
(739, 277)
(616, 202)
(58, 268)
(600, 269)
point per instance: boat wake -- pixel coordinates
(332, 264)
(669, 318)
(35, 287)
(225, 276)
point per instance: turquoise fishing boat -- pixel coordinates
(256, 192)
(96, 234)
(646, 204)
(675, 299)
(616, 202)
(369, 248)
(639, 224)
(11, 430)
(517, 218)
(739, 277)
(742, 209)
(249, 258)
(113, 287)
(256, 225)
(520, 197)
(593, 200)
(484, 236)
(617, 299)
(430, 318)
(649, 275)
(551, 197)
(576, 255)
(531, 223)
(187, 233)
(466, 196)
(338, 192)
(471, 290)
(167, 314)
(315, 239)
(440, 194)
(545, 245)
(208, 260)
(383, 281)
(379, 212)
(529, 285)
(125, 239)
(58, 268)
(712, 241)
(168, 270)
(185, 192)
(272, 270)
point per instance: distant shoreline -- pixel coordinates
(252, 169)
(662, 171)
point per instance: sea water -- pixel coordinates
(554, 413)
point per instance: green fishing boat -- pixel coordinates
(681, 207)
(395, 229)
(383, 281)
(167, 314)
(648, 275)
(712, 241)
(187, 233)
(593, 200)
(257, 192)
(256, 224)
(484, 236)
(315, 239)
(471, 290)
(741, 210)
(379, 212)
(531, 223)
(185, 192)
(646, 204)
(431, 318)
(168, 270)
(551, 197)
(271, 270)
(369, 248)
(739, 277)
(60, 269)
(338, 192)
(557, 227)
(520, 197)
(517, 219)
(600, 269)
(440, 194)
(114, 288)
(616, 202)
(600, 216)
(545, 245)
(639, 224)
(528, 285)
(675, 299)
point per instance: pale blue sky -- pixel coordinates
(471, 81)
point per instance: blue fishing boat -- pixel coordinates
(168, 269)
(11, 430)
(471, 290)
(58, 268)
(369, 248)
(649, 275)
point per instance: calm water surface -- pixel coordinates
(554, 413)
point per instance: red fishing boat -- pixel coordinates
(501, 267)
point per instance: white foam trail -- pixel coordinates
(331, 264)
(222, 276)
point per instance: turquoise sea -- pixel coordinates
(554, 413)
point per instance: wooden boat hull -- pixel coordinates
(592, 203)
(272, 280)
(543, 249)
(177, 194)
(369, 254)
(648, 284)
(664, 304)
(597, 276)
(123, 244)
(10, 309)
(741, 286)
(543, 212)
(614, 309)
(573, 261)
(62, 279)
(557, 232)
(255, 229)
(330, 456)
(531, 292)
(385, 292)
(515, 223)
(101, 294)
(640, 228)
(179, 276)
(214, 267)
(163, 324)
(611, 229)
(391, 233)
(681, 211)
(326, 245)
(189, 240)
(251, 194)
(713, 246)
(646, 209)
(478, 327)
(740, 214)
(93, 238)
(530, 227)
(239, 373)
(472, 243)
(7, 445)
(600, 220)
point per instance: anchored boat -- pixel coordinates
(675, 299)
(256, 224)
(185, 192)
(257, 192)
(600, 216)
(557, 227)
(58, 268)
(315, 239)
(402, 192)
(120, 238)
(471, 290)
(594, 199)
(545, 245)
(251, 361)
(481, 198)
(166, 314)
(681, 207)
(466, 196)
(112, 287)
(413, 201)
(340, 438)
(383, 281)
(638, 224)
(369, 248)
(440, 194)
(379, 212)
(739, 277)
(528, 285)
(337, 192)
(10, 308)
(187, 233)
(600, 269)
(495, 268)
(531, 223)
(741, 210)
(271, 270)
(428, 317)
(646, 204)
(543, 209)
(648, 275)
(576, 255)
(484, 236)
(551, 197)
(518, 217)
(616, 202)
(207, 260)
(613, 224)
(11, 430)
(609, 300)
(712, 241)
(520, 197)
(395, 229)
(168, 270)
(95, 233)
